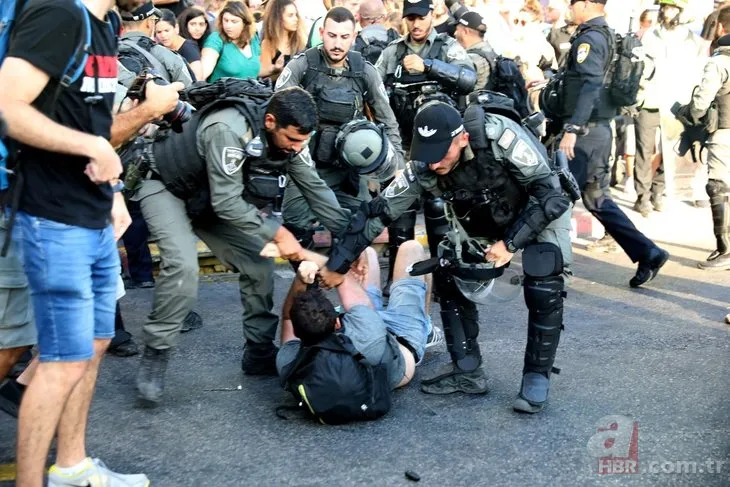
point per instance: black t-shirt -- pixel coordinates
(46, 35)
(190, 51)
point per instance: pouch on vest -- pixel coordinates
(324, 142)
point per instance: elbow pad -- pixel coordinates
(528, 226)
(549, 193)
(458, 78)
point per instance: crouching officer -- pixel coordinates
(586, 112)
(715, 89)
(347, 148)
(214, 181)
(496, 182)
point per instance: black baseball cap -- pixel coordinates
(472, 20)
(434, 128)
(417, 7)
(145, 11)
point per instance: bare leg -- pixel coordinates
(72, 425)
(8, 358)
(43, 402)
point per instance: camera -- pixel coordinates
(175, 118)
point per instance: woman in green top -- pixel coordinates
(234, 50)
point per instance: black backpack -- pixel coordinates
(372, 48)
(506, 78)
(626, 69)
(334, 384)
(136, 55)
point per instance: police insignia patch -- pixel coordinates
(397, 187)
(582, 53)
(524, 154)
(305, 156)
(283, 78)
(232, 159)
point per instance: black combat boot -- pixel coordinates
(259, 358)
(719, 259)
(151, 376)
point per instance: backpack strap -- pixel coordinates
(436, 47)
(77, 63)
(314, 67)
(156, 64)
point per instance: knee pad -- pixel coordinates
(461, 329)
(437, 226)
(542, 259)
(544, 300)
(402, 229)
(593, 196)
(718, 191)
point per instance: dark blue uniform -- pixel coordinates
(588, 102)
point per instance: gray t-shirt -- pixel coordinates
(366, 329)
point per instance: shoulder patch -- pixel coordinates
(507, 138)
(524, 154)
(582, 52)
(232, 159)
(283, 78)
(305, 156)
(456, 52)
(399, 186)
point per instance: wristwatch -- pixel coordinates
(118, 187)
(575, 129)
(510, 246)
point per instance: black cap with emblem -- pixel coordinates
(472, 20)
(147, 10)
(417, 7)
(434, 128)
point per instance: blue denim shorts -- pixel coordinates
(405, 316)
(72, 273)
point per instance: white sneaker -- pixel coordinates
(435, 338)
(96, 474)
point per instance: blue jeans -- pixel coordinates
(405, 316)
(72, 273)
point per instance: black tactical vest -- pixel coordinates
(573, 81)
(401, 75)
(176, 157)
(339, 97)
(486, 197)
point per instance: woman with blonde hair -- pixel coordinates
(284, 35)
(234, 49)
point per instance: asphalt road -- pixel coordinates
(654, 362)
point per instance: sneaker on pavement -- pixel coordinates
(435, 338)
(716, 262)
(604, 244)
(192, 321)
(123, 345)
(95, 474)
(644, 209)
(449, 379)
(649, 267)
(151, 377)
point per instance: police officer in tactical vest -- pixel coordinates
(587, 113)
(715, 90)
(137, 49)
(498, 188)
(347, 148)
(214, 181)
(470, 30)
(422, 62)
(375, 34)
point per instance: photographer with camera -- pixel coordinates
(494, 178)
(57, 87)
(217, 180)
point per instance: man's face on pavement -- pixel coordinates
(337, 38)
(419, 27)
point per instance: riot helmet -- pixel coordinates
(670, 12)
(363, 146)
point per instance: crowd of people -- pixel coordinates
(249, 124)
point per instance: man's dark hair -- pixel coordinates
(339, 15)
(723, 18)
(313, 316)
(295, 107)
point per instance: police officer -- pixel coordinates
(497, 184)
(343, 85)
(715, 87)
(138, 50)
(470, 30)
(375, 34)
(214, 181)
(587, 135)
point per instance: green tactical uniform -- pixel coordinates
(355, 89)
(233, 228)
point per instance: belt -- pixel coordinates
(410, 348)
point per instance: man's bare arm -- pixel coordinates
(20, 85)
(350, 291)
(287, 329)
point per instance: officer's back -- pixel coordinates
(137, 50)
